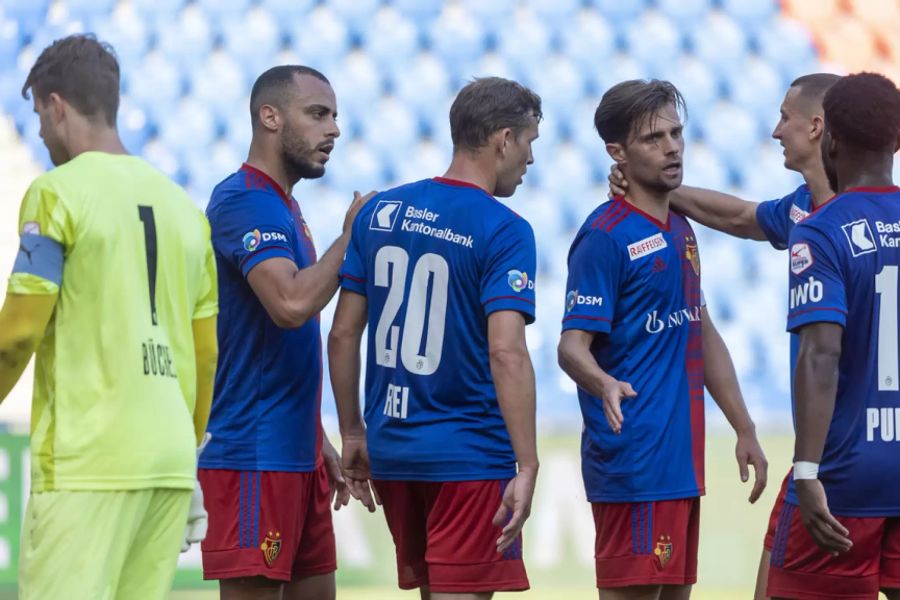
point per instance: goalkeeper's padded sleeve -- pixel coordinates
(23, 320)
(206, 352)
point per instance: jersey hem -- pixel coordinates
(441, 477)
(871, 513)
(654, 497)
(286, 467)
(114, 484)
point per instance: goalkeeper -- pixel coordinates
(114, 287)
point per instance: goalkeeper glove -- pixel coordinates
(197, 521)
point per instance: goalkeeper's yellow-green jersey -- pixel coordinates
(115, 375)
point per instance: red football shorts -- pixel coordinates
(646, 543)
(275, 524)
(800, 569)
(776, 510)
(445, 539)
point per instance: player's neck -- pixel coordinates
(867, 169)
(272, 166)
(469, 169)
(651, 202)
(96, 139)
(817, 181)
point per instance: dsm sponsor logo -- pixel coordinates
(252, 239)
(656, 323)
(518, 280)
(573, 299)
(810, 290)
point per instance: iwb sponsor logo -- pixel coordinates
(884, 421)
(656, 324)
(801, 258)
(810, 290)
(797, 214)
(859, 236)
(646, 246)
(385, 215)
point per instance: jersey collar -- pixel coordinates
(250, 169)
(870, 189)
(664, 226)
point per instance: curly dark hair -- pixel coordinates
(863, 110)
(83, 71)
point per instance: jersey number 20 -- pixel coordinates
(391, 264)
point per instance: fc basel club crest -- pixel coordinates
(271, 547)
(690, 253)
(663, 549)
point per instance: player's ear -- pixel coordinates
(269, 117)
(56, 107)
(502, 139)
(817, 128)
(616, 152)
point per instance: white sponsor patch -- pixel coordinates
(859, 236)
(797, 213)
(646, 246)
(31, 227)
(385, 215)
(801, 258)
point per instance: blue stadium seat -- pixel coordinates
(321, 37)
(754, 13)
(490, 13)
(580, 126)
(763, 175)
(703, 168)
(787, 44)
(29, 14)
(730, 131)
(253, 38)
(758, 87)
(126, 30)
(684, 13)
(457, 37)
(653, 40)
(156, 85)
(220, 83)
(189, 39)
(206, 169)
(357, 84)
(566, 173)
(558, 81)
(557, 13)
(490, 64)
(88, 8)
(698, 85)
(394, 131)
(589, 41)
(719, 42)
(420, 11)
(134, 125)
(164, 159)
(523, 40)
(391, 39)
(189, 128)
(425, 159)
(356, 13)
(10, 42)
(617, 68)
(619, 12)
(162, 12)
(288, 11)
(223, 9)
(355, 166)
(423, 86)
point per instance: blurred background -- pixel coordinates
(187, 70)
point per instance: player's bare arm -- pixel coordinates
(292, 296)
(23, 319)
(575, 358)
(513, 377)
(718, 210)
(344, 368)
(815, 390)
(721, 381)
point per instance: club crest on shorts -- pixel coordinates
(663, 550)
(690, 253)
(271, 547)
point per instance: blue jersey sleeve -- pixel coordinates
(251, 228)
(596, 267)
(817, 290)
(507, 282)
(774, 218)
(353, 270)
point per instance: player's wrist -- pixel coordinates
(805, 470)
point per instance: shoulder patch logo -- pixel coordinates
(385, 215)
(31, 227)
(801, 258)
(797, 213)
(860, 237)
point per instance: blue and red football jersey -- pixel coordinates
(434, 259)
(636, 281)
(777, 217)
(265, 410)
(845, 260)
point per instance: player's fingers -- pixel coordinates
(360, 490)
(500, 515)
(375, 492)
(828, 537)
(628, 391)
(836, 526)
(615, 407)
(511, 531)
(610, 418)
(742, 466)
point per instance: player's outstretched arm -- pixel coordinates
(575, 358)
(513, 376)
(815, 391)
(206, 354)
(23, 319)
(344, 368)
(718, 210)
(292, 296)
(721, 381)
